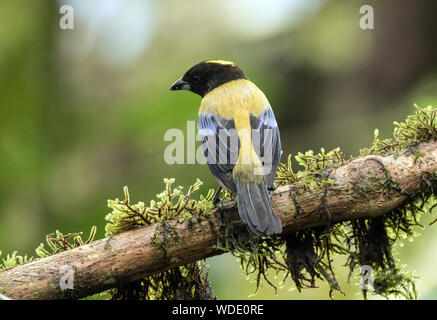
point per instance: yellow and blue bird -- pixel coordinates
(240, 138)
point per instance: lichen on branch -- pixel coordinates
(308, 255)
(184, 282)
(304, 253)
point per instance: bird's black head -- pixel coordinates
(208, 75)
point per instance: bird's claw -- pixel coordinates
(272, 187)
(219, 204)
(270, 190)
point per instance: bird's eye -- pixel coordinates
(195, 78)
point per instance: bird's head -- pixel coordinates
(208, 75)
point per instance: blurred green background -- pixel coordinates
(83, 112)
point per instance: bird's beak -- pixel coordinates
(180, 85)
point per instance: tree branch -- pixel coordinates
(365, 187)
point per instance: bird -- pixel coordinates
(240, 139)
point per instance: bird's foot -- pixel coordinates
(218, 203)
(270, 190)
(272, 187)
(216, 198)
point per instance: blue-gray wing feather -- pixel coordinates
(221, 145)
(267, 143)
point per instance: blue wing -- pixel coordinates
(267, 143)
(221, 145)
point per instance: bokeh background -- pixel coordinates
(83, 112)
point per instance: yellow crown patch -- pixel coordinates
(221, 62)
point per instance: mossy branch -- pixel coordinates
(358, 207)
(369, 186)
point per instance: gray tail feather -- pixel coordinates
(255, 208)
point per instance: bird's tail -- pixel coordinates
(255, 208)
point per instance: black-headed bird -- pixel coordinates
(240, 138)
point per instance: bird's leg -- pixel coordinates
(216, 199)
(271, 189)
(219, 205)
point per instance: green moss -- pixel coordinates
(187, 282)
(315, 165)
(305, 256)
(184, 282)
(58, 242)
(13, 260)
(171, 203)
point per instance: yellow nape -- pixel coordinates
(221, 62)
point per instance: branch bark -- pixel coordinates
(365, 187)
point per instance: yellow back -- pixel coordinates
(237, 100)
